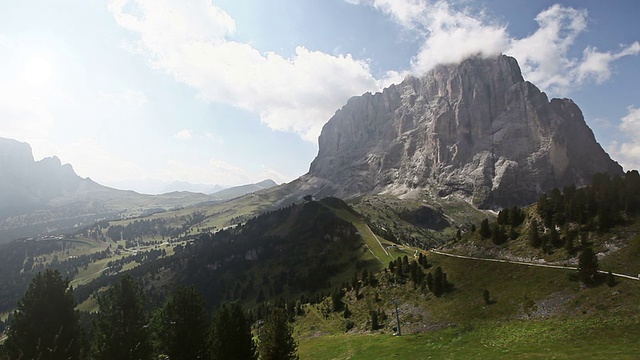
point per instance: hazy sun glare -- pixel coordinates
(37, 70)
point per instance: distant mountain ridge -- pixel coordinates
(236, 191)
(476, 129)
(42, 196)
(46, 196)
(156, 187)
(28, 184)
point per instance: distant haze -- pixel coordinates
(140, 94)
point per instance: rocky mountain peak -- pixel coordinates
(475, 129)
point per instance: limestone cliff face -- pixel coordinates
(474, 129)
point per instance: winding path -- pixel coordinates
(529, 264)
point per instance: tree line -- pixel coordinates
(46, 325)
(563, 218)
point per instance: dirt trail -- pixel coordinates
(529, 264)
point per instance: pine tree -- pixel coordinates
(512, 233)
(183, 328)
(347, 313)
(276, 340)
(365, 277)
(588, 266)
(485, 231)
(498, 235)
(336, 299)
(438, 282)
(231, 334)
(373, 316)
(45, 324)
(611, 280)
(121, 329)
(392, 266)
(486, 296)
(534, 237)
(430, 282)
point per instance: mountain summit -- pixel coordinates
(475, 129)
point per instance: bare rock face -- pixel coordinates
(475, 129)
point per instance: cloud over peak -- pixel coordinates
(451, 33)
(192, 41)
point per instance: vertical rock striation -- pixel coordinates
(474, 129)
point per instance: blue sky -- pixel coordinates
(133, 93)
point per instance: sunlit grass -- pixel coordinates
(551, 339)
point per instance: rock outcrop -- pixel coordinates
(474, 129)
(26, 184)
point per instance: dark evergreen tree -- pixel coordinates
(555, 239)
(336, 299)
(347, 313)
(45, 324)
(485, 231)
(231, 334)
(438, 282)
(405, 263)
(365, 277)
(430, 282)
(121, 328)
(512, 233)
(392, 266)
(486, 296)
(516, 216)
(183, 326)
(498, 235)
(588, 266)
(568, 243)
(373, 317)
(534, 236)
(503, 216)
(276, 340)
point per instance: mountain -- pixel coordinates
(476, 129)
(187, 186)
(236, 191)
(44, 196)
(27, 184)
(155, 187)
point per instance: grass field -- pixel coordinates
(550, 339)
(536, 313)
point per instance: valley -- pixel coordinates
(462, 214)
(532, 312)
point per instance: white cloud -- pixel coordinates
(124, 98)
(450, 34)
(544, 55)
(184, 134)
(456, 35)
(597, 65)
(409, 13)
(299, 93)
(189, 41)
(627, 153)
